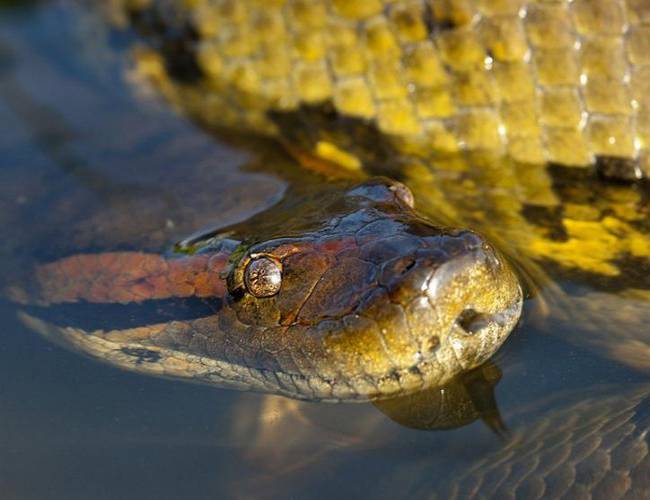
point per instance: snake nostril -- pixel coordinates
(471, 321)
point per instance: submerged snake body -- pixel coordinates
(596, 447)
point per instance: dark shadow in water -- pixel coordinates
(54, 137)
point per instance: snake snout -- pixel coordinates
(478, 302)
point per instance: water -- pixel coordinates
(88, 164)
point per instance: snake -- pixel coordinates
(491, 124)
(526, 122)
(370, 301)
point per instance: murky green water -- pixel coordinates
(88, 164)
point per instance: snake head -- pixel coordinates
(374, 300)
(347, 294)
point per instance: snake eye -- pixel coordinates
(263, 276)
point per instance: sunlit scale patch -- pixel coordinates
(430, 80)
(354, 297)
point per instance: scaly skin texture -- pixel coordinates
(211, 59)
(589, 443)
(374, 301)
(562, 82)
(596, 448)
(467, 102)
(123, 277)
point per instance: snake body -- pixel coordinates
(560, 82)
(593, 446)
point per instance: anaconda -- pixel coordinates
(603, 198)
(501, 116)
(492, 124)
(357, 298)
(471, 124)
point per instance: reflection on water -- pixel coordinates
(467, 398)
(88, 166)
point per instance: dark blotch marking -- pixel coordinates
(355, 135)
(429, 19)
(393, 375)
(142, 355)
(175, 40)
(625, 170)
(415, 370)
(434, 25)
(549, 218)
(634, 272)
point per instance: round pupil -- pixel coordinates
(263, 277)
